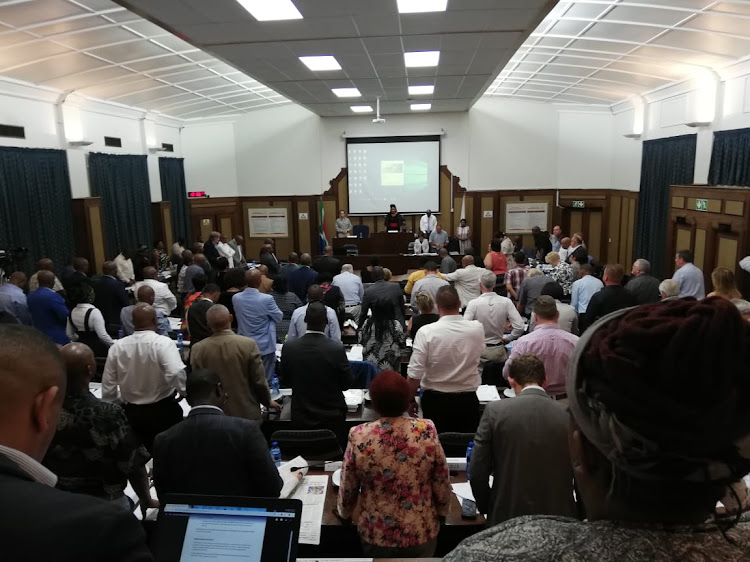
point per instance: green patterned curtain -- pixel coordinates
(121, 181)
(730, 159)
(35, 205)
(173, 189)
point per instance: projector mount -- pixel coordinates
(378, 119)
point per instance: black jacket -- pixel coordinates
(384, 291)
(110, 298)
(327, 264)
(608, 299)
(270, 261)
(39, 523)
(644, 288)
(214, 454)
(196, 321)
(211, 253)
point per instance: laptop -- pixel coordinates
(193, 528)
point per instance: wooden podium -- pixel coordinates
(379, 243)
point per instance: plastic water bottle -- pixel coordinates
(469, 450)
(119, 334)
(276, 454)
(275, 384)
(179, 340)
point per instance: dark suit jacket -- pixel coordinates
(384, 291)
(318, 371)
(299, 281)
(644, 288)
(196, 321)
(327, 264)
(524, 442)
(110, 299)
(39, 523)
(49, 314)
(270, 261)
(609, 299)
(211, 253)
(214, 454)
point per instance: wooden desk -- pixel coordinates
(377, 243)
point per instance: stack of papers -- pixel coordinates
(291, 479)
(355, 353)
(354, 397)
(487, 393)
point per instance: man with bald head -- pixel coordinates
(257, 316)
(164, 299)
(13, 299)
(301, 279)
(297, 325)
(94, 450)
(266, 283)
(466, 280)
(44, 264)
(48, 311)
(239, 255)
(149, 372)
(238, 362)
(292, 265)
(145, 295)
(111, 297)
(268, 258)
(37, 521)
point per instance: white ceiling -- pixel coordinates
(606, 51)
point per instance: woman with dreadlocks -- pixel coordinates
(660, 430)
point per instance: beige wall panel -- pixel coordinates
(166, 214)
(678, 202)
(714, 205)
(594, 241)
(225, 226)
(97, 236)
(445, 202)
(576, 224)
(684, 240)
(727, 254)
(699, 253)
(629, 232)
(304, 227)
(614, 233)
(736, 208)
(343, 199)
(207, 226)
(690, 204)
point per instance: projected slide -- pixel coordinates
(223, 538)
(400, 170)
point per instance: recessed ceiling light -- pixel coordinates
(421, 58)
(421, 106)
(361, 108)
(416, 6)
(346, 92)
(421, 90)
(271, 10)
(319, 63)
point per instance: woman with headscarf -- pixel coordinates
(651, 456)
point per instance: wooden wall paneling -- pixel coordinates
(576, 223)
(595, 233)
(487, 203)
(161, 219)
(89, 232)
(629, 231)
(97, 238)
(736, 208)
(700, 248)
(624, 218)
(304, 229)
(225, 225)
(615, 215)
(330, 207)
(683, 238)
(166, 214)
(727, 252)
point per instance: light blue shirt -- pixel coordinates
(691, 283)
(351, 287)
(298, 326)
(438, 237)
(257, 316)
(555, 243)
(582, 291)
(126, 321)
(13, 301)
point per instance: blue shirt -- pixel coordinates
(49, 314)
(298, 326)
(690, 279)
(438, 237)
(582, 291)
(126, 321)
(351, 287)
(13, 301)
(257, 316)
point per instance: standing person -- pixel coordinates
(164, 299)
(382, 338)
(430, 283)
(141, 261)
(567, 318)
(287, 302)
(48, 312)
(210, 248)
(393, 220)
(234, 282)
(268, 258)
(237, 361)
(44, 264)
(257, 316)
(515, 275)
(343, 225)
(291, 265)
(529, 431)
(496, 261)
(382, 290)
(463, 234)
(301, 279)
(124, 263)
(266, 283)
(236, 245)
(86, 323)
(531, 288)
(352, 289)
(612, 297)
(160, 257)
(427, 314)
(447, 263)
(225, 251)
(197, 323)
(438, 238)
(724, 284)
(144, 295)
(542, 243)
(177, 248)
(564, 250)
(37, 521)
(561, 272)
(400, 511)
(642, 285)
(583, 289)
(444, 363)
(427, 223)
(194, 267)
(506, 245)
(297, 326)
(317, 369)
(110, 297)
(555, 239)
(327, 263)
(13, 300)
(466, 280)
(149, 371)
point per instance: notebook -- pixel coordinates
(194, 528)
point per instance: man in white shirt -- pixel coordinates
(427, 223)
(226, 251)
(493, 312)
(124, 264)
(444, 363)
(352, 289)
(430, 283)
(164, 299)
(148, 370)
(298, 326)
(236, 245)
(466, 280)
(421, 245)
(564, 249)
(44, 264)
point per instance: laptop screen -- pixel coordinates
(198, 528)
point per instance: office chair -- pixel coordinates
(455, 444)
(311, 444)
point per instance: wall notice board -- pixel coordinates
(268, 222)
(521, 217)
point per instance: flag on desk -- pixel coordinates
(322, 226)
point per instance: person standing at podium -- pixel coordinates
(394, 222)
(343, 225)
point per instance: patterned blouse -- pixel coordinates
(287, 303)
(400, 467)
(385, 352)
(564, 275)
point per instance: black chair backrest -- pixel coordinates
(493, 374)
(311, 444)
(455, 444)
(361, 231)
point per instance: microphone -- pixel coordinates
(309, 465)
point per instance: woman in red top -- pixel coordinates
(496, 261)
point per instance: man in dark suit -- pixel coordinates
(111, 297)
(523, 441)
(302, 278)
(37, 521)
(210, 249)
(196, 316)
(327, 263)
(292, 265)
(643, 286)
(383, 291)
(318, 371)
(613, 296)
(211, 453)
(268, 258)
(79, 277)
(48, 311)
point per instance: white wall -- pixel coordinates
(210, 163)
(585, 149)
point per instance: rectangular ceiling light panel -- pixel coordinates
(421, 90)
(419, 59)
(321, 63)
(346, 92)
(421, 6)
(271, 10)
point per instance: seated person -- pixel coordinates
(421, 245)
(438, 239)
(145, 295)
(86, 323)
(649, 484)
(94, 450)
(211, 453)
(403, 495)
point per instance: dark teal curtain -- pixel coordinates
(730, 159)
(665, 162)
(173, 189)
(35, 205)
(121, 181)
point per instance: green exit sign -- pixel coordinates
(579, 204)
(701, 204)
